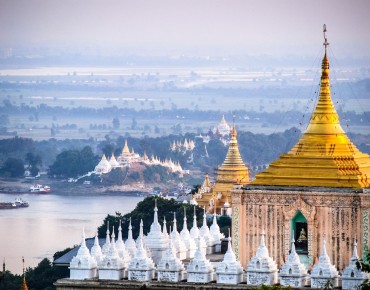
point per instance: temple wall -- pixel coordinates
(337, 217)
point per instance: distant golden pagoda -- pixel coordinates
(324, 156)
(232, 171)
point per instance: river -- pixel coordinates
(52, 223)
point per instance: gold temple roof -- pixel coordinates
(233, 170)
(324, 156)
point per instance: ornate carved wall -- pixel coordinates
(337, 217)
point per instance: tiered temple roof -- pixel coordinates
(324, 152)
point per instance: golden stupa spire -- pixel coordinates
(24, 283)
(233, 169)
(125, 149)
(324, 156)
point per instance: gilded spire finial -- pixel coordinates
(326, 43)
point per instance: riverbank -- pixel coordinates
(18, 186)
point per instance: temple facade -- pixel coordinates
(317, 191)
(216, 198)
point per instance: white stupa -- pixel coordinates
(106, 246)
(200, 269)
(229, 271)
(187, 239)
(142, 239)
(294, 273)
(206, 234)
(216, 235)
(195, 234)
(96, 252)
(156, 241)
(324, 272)
(164, 229)
(103, 166)
(262, 269)
(351, 276)
(177, 241)
(130, 242)
(170, 268)
(113, 162)
(83, 265)
(141, 267)
(222, 128)
(112, 267)
(121, 248)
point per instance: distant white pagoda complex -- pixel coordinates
(324, 272)
(83, 265)
(129, 158)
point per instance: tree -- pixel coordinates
(13, 167)
(33, 160)
(115, 123)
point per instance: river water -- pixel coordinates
(52, 223)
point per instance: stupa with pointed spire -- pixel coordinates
(130, 242)
(324, 271)
(262, 269)
(121, 248)
(352, 277)
(156, 241)
(103, 166)
(96, 251)
(324, 152)
(83, 265)
(320, 184)
(216, 235)
(229, 271)
(187, 239)
(178, 243)
(141, 266)
(232, 171)
(293, 273)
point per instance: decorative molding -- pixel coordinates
(235, 227)
(365, 234)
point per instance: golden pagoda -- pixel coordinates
(317, 191)
(125, 150)
(24, 283)
(324, 156)
(232, 171)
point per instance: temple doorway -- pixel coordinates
(299, 231)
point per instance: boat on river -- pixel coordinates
(18, 203)
(38, 188)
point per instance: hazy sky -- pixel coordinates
(273, 27)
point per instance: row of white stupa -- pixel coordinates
(105, 166)
(144, 260)
(188, 145)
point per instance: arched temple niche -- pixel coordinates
(299, 220)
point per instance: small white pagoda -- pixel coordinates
(112, 267)
(170, 268)
(200, 269)
(351, 276)
(229, 271)
(83, 265)
(216, 235)
(141, 267)
(156, 241)
(262, 269)
(96, 252)
(106, 245)
(164, 229)
(177, 241)
(324, 272)
(206, 234)
(294, 273)
(188, 240)
(195, 234)
(103, 166)
(121, 248)
(130, 242)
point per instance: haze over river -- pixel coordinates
(52, 223)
